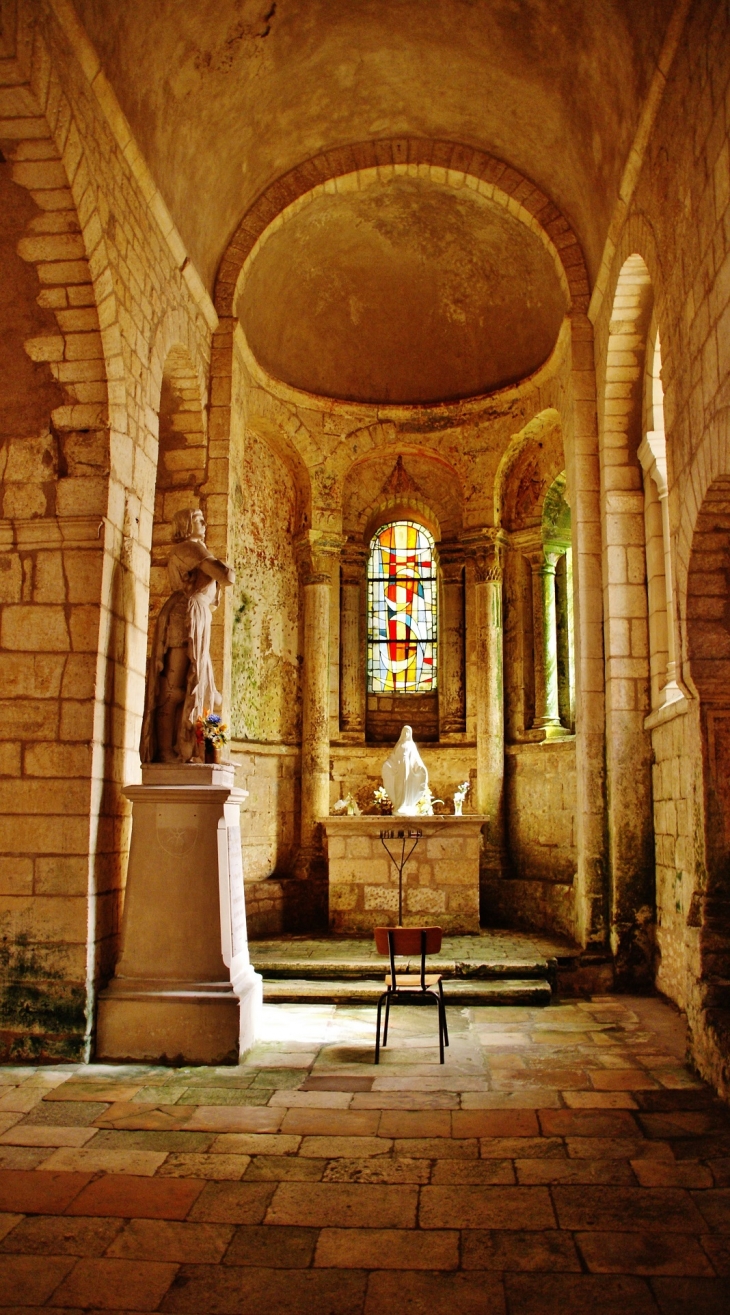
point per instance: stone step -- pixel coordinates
(355, 969)
(474, 991)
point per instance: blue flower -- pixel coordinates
(213, 719)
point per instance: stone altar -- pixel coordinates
(184, 989)
(440, 883)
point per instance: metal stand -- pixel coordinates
(399, 863)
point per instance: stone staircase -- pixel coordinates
(339, 971)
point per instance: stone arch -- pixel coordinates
(626, 636)
(451, 162)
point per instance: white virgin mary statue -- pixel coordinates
(405, 775)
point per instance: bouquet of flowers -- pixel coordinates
(426, 803)
(382, 801)
(211, 727)
(348, 805)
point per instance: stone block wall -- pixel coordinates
(440, 882)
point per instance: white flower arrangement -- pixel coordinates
(348, 805)
(382, 800)
(459, 796)
(425, 804)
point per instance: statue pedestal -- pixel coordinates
(440, 881)
(184, 989)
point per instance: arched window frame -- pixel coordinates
(424, 679)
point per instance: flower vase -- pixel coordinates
(213, 752)
(458, 805)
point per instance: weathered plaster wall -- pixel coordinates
(265, 694)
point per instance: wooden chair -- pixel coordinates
(407, 988)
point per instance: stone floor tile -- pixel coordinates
(437, 1294)
(609, 1209)
(64, 1114)
(449, 1173)
(621, 1079)
(137, 1198)
(405, 1100)
(350, 1147)
(126, 1116)
(712, 1147)
(486, 1207)
(69, 1160)
(281, 1059)
(47, 1136)
(617, 1148)
(433, 1081)
(717, 1247)
(336, 1084)
(284, 1168)
(221, 1118)
(692, 1296)
(416, 1123)
(495, 1123)
(684, 1123)
(92, 1091)
(642, 1253)
(180, 1165)
(614, 1172)
(676, 1078)
(662, 1102)
(57, 1235)
(329, 1123)
(22, 1278)
(170, 1240)
(19, 1100)
(224, 1290)
(254, 1143)
(386, 1248)
(133, 1285)
(715, 1208)
(720, 1171)
(354, 1205)
(667, 1173)
(529, 1098)
(8, 1222)
(499, 1250)
(523, 1148)
(110, 1139)
(232, 1203)
(30, 1192)
(599, 1100)
(272, 1246)
(588, 1123)
(326, 1100)
(437, 1148)
(9, 1120)
(579, 1294)
(380, 1169)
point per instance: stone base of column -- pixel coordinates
(181, 1022)
(550, 728)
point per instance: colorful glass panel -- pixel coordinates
(402, 603)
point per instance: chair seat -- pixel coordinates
(412, 981)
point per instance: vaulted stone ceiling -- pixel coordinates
(226, 95)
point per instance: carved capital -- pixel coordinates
(488, 562)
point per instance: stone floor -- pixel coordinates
(494, 944)
(563, 1160)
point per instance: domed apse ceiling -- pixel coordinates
(404, 292)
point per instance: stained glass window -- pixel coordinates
(402, 603)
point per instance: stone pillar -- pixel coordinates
(653, 457)
(352, 642)
(490, 705)
(451, 683)
(315, 789)
(545, 629)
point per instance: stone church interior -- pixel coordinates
(365, 565)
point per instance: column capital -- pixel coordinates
(486, 548)
(353, 562)
(318, 552)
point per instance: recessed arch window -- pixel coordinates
(402, 610)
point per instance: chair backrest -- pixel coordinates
(407, 940)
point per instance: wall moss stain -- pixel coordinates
(42, 1015)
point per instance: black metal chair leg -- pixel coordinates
(443, 1011)
(387, 1020)
(439, 1011)
(377, 1032)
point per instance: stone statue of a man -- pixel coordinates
(405, 775)
(180, 680)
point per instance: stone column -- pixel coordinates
(315, 560)
(545, 629)
(451, 683)
(653, 457)
(352, 641)
(490, 705)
